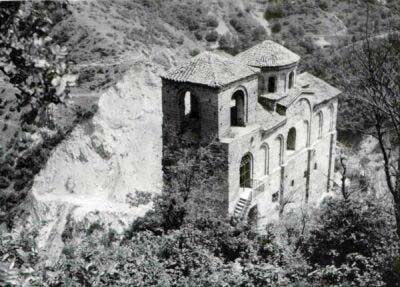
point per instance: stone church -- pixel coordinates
(277, 126)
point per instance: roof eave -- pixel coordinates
(280, 67)
(218, 86)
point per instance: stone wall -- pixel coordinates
(173, 107)
(295, 164)
(250, 90)
(282, 77)
(303, 171)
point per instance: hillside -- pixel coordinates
(120, 48)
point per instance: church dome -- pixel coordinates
(268, 54)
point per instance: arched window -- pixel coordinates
(291, 79)
(272, 84)
(190, 105)
(320, 124)
(265, 155)
(331, 117)
(246, 170)
(291, 139)
(238, 111)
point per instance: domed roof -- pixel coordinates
(211, 70)
(268, 54)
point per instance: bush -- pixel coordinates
(276, 28)
(194, 52)
(323, 5)
(211, 21)
(351, 243)
(273, 13)
(212, 36)
(259, 34)
(4, 182)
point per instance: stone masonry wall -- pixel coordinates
(282, 77)
(173, 107)
(250, 89)
(295, 163)
(305, 170)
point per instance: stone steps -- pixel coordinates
(241, 208)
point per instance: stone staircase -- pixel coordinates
(241, 208)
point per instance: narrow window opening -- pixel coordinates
(292, 183)
(291, 139)
(315, 166)
(271, 84)
(188, 104)
(246, 171)
(190, 111)
(238, 109)
(265, 153)
(191, 106)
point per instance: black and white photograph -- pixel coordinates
(190, 143)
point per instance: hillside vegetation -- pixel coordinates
(112, 120)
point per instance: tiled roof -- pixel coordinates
(317, 90)
(267, 119)
(268, 54)
(211, 70)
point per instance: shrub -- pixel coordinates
(351, 243)
(211, 21)
(323, 5)
(276, 28)
(194, 52)
(259, 34)
(212, 36)
(237, 24)
(4, 182)
(273, 13)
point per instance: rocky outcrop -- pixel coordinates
(90, 175)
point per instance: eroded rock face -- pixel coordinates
(90, 174)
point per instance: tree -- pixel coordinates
(192, 183)
(30, 59)
(351, 242)
(373, 79)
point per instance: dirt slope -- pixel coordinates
(120, 50)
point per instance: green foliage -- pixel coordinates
(206, 251)
(273, 13)
(276, 28)
(323, 5)
(212, 22)
(212, 36)
(194, 52)
(249, 32)
(351, 244)
(31, 61)
(19, 256)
